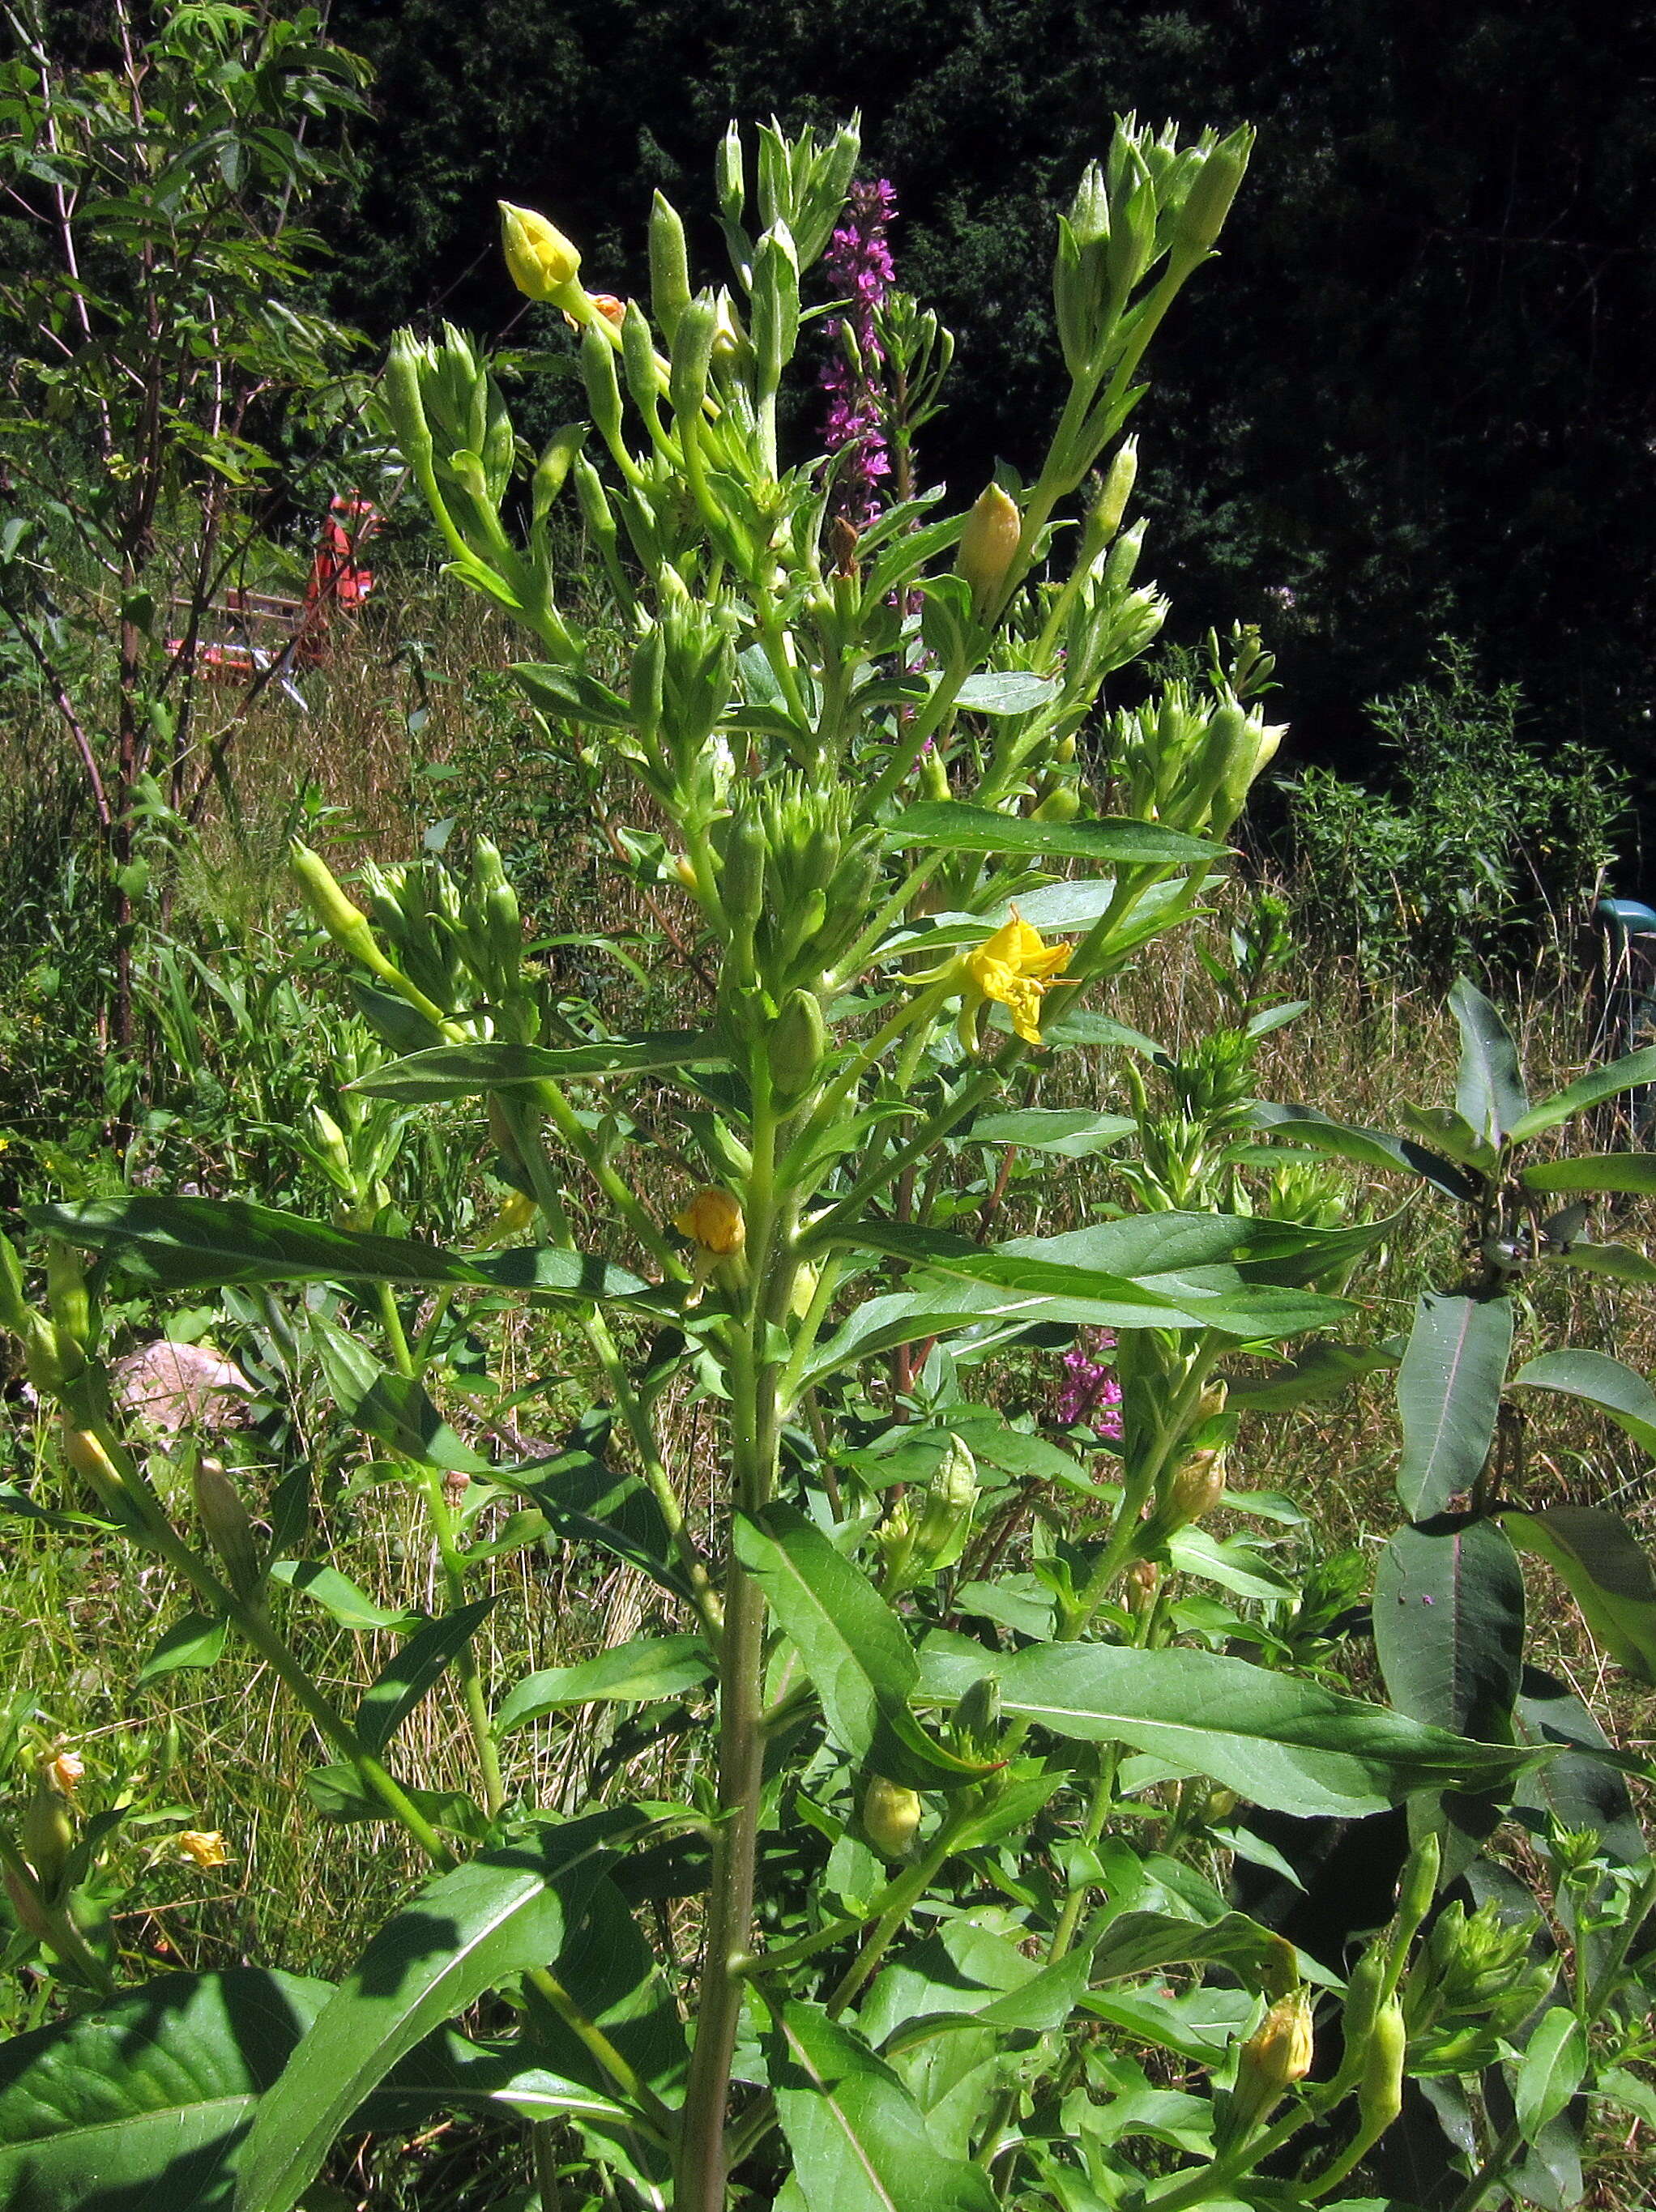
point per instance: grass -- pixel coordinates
(404, 737)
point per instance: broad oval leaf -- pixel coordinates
(504, 1911)
(1614, 1387)
(1006, 691)
(1607, 1572)
(946, 823)
(1449, 1396)
(1449, 1625)
(1489, 1090)
(198, 1640)
(1280, 1742)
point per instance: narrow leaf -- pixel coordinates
(1555, 2060)
(393, 1409)
(1634, 1171)
(398, 1687)
(956, 827)
(464, 1071)
(1627, 1074)
(338, 1595)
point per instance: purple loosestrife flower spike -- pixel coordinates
(1090, 1392)
(858, 264)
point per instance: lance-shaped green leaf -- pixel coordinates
(1073, 1133)
(465, 1070)
(1449, 1396)
(1488, 1090)
(1006, 691)
(1619, 1262)
(504, 1911)
(909, 1317)
(198, 1244)
(1630, 1171)
(1607, 1572)
(338, 1596)
(1555, 2060)
(393, 1409)
(853, 1648)
(587, 1502)
(954, 828)
(649, 1667)
(148, 2099)
(416, 1668)
(1599, 1380)
(1627, 1074)
(1310, 1126)
(1278, 1742)
(1449, 1625)
(859, 2140)
(1322, 1371)
(198, 1640)
(1062, 1283)
(1579, 1786)
(1144, 1942)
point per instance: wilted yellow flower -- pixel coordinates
(203, 1846)
(1276, 2056)
(1013, 968)
(540, 260)
(65, 1771)
(713, 1221)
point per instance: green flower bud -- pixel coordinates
(48, 1835)
(228, 1530)
(1196, 1487)
(669, 267)
(891, 1817)
(1418, 1885)
(741, 876)
(989, 545)
(1110, 504)
(347, 925)
(945, 1517)
(797, 1045)
(1365, 1994)
(1379, 2090)
(603, 386)
(977, 1716)
(540, 260)
(693, 358)
(15, 1313)
(1208, 200)
(405, 402)
(30, 1908)
(553, 468)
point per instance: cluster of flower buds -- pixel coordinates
(450, 951)
(1189, 757)
(927, 1530)
(1473, 1982)
(1152, 202)
(795, 879)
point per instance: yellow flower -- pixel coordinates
(205, 1846)
(1013, 967)
(713, 1222)
(65, 1771)
(540, 260)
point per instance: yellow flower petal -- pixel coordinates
(205, 1846)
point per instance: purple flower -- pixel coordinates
(1090, 1394)
(858, 264)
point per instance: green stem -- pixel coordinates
(57, 1924)
(901, 1898)
(594, 2039)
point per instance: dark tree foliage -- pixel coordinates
(1415, 396)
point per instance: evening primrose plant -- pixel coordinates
(929, 1914)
